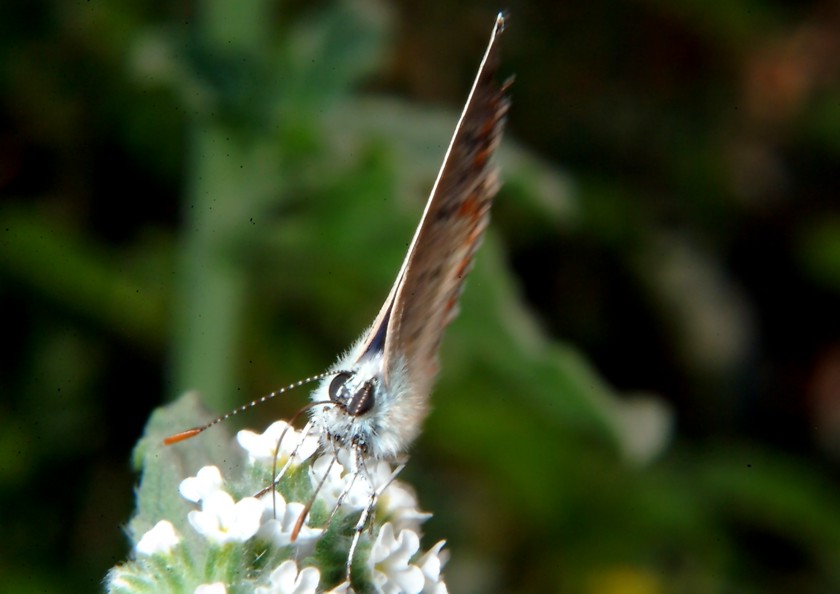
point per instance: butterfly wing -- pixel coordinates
(425, 298)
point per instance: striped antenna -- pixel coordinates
(184, 435)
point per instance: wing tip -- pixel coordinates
(501, 22)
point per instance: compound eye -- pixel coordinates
(363, 400)
(337, 391)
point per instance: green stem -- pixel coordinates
(223, 188)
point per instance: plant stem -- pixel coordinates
(222, 192)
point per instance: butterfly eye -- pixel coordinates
(363, 400)
(337, 390)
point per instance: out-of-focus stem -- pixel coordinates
(221, 193)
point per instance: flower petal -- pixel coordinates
(160, 539)
(263, 448)
(215, 588)
(285, 579)
(389, 561)
(222, 520)
(196, 488)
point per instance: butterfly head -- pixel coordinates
(366, 404)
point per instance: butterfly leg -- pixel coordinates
(357, 534)
(375, 494)
(344, 492)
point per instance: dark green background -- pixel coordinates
(217, 195)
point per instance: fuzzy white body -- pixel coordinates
(394, 421)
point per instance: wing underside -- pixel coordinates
(425, 298)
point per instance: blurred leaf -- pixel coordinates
(53, 261)
(775, 492)
(326, 53)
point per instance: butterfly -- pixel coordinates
(373, 400)
(376, 395)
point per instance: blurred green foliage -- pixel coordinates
(218, 195)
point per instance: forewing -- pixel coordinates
(456, 214)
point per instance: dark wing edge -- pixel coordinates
(450, 230)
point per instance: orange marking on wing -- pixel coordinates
(481, 157)
(453, 301)
(462, 268)
(469, 207)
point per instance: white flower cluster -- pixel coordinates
(395, 562)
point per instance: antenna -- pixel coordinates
(184, 435)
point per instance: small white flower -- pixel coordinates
(389, 562)
(221, 520)
(342, 588)
(285, 579)
(397, 503)
(195, 488)
(431, 565)
(263, 447)
(279, 519)
(160, 539)
(339, 478)
(216, 588)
